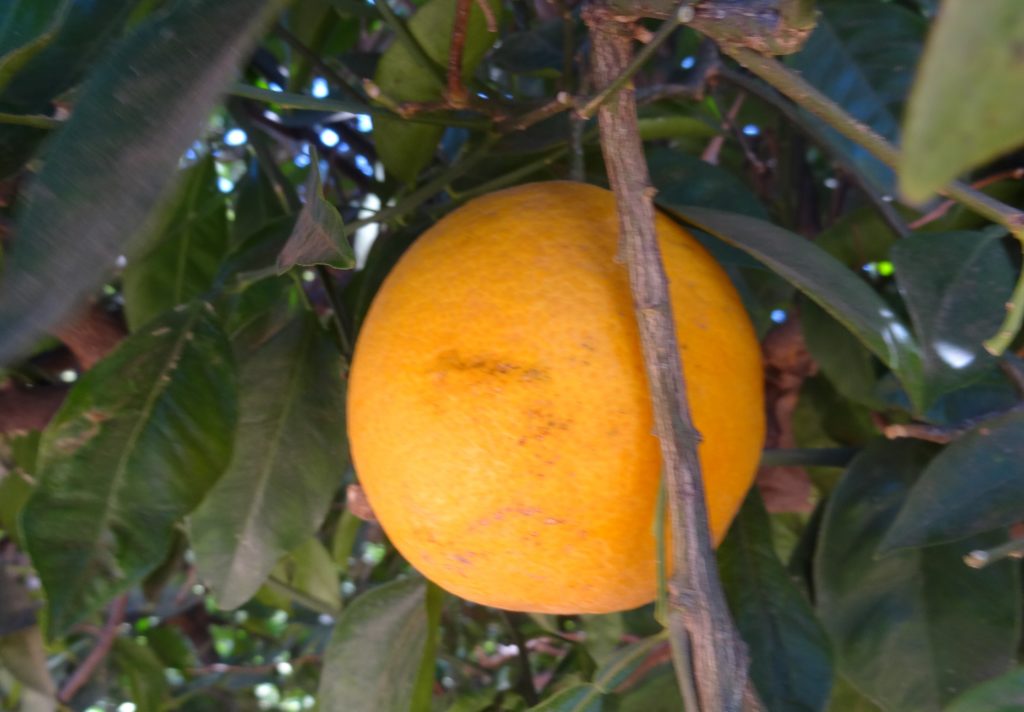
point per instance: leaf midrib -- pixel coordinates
(162, 384)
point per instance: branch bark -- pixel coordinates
(708, 655)
(103, 644)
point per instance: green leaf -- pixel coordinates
(108, 170)
(842, 358)
(375, 650)
(857, 238)
(406, 148)
(318, 237)
(965, 106)
(289, 457)
(423, 688)
(861, 56)
(24, 656)
(308, 568)
(13, 59)
(15, 489)
(825, 280)
(948, 625)
(139, 440)
(683, 179)
(585, 697)
(791, 663)
(976, 484)
(1002, 694)
(171, 645)
(59, 62)
(846, 698)
(258, 203)
(183, 250)
(145, 674)
(956, 286)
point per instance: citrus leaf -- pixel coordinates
(288, 460)
(840, 356)
(423, 688)
(82, 33)
(862, 58)
(318, 237)
(585, 697)
(403, 147)
(308, 568)
(139, 440)
(1002, 694)
(967, 98)
(976, 484)
(109, 169)
(836, 289)
(790, 658)
(846, 698)
(12, 59)
(950, 626)
(145, 673)
(375, 650)
(183, 250)
(955, 286)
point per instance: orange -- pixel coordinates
(499, 415)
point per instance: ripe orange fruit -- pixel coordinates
(499, 415)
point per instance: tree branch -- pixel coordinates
(103, 644)
(708, 654)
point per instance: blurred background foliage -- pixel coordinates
(198, 200)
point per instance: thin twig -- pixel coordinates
(106, 638)
(980, 558)
(38, 121)
(456, 91)
(636, 62)
(810, 98)
(707, 651)
(943, 207)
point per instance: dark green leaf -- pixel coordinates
(822, 278)
(858, 238)
(423, 688)
(1002, 694)
(683, 179)
(258, 203)
(183, 250)
(171, 646)
(862, 56)
(585, 697)
(82, 36)
(406, 148)
(375, 650)
(949, 626)
(956, 286)
(12, 59)
(536, 50)
(974, 485)
(23, 654)
(318, 237)
(109, 169)
(139, 440)
(309, 569)
(288, 460)
(846, 698)
(968, 95)
(790, 657)
(841, 357)
(145, 674)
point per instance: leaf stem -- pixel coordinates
(105, 641)
(38, 121)
(808, 97)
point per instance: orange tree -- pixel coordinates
(201, 199)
